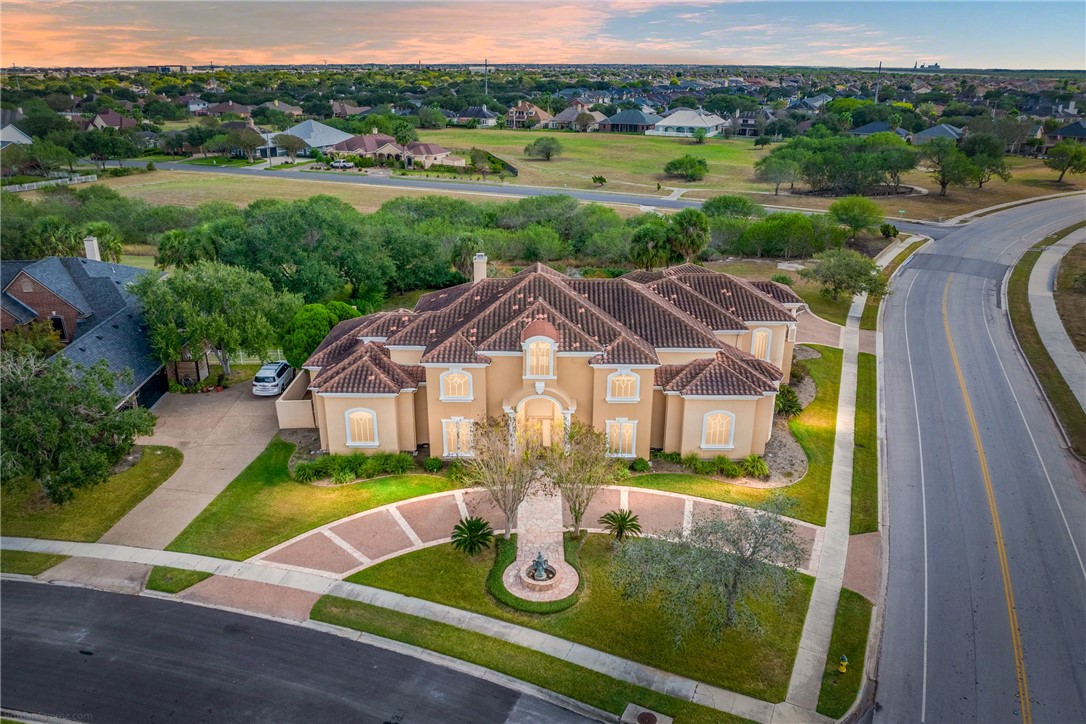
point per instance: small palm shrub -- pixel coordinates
(472, 535)
(782, 279)
(431, 465)
(343, 476)
(754, 466)
(690, 461)
(345, 468)
(640, 465)
(621, 523)
(787, 404)
(799, 370)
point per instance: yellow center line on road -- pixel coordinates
(1008, 589)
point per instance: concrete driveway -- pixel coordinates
(220, 433)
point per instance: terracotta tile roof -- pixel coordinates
(366, 369)
(381, 324)
(778, 291)
(737, 296)
(697, 306)
(455, 350)
(731, 372)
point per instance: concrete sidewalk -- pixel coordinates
(1042, 284)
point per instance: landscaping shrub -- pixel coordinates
(799, 370)
(782, 279)
(456, 471)
(621, 524)
(431, 464)
(690, 460)
(640, 465)
(347, 468)
(754, 466)
(725, 468)
(342, 476)
(787, 404)
(472, 535)
(671, 457)
(888, 231)
(689, 167)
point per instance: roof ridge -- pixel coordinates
(668, 306)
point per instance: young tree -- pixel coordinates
(848, 271)
(688, 233)
(711, 574)
(545, 148)
(291, 144)
(775, 170)
(735, 206)
(599, 180)
(580, 470)
(502, 466)
(62, 427)
(700, 134)
(35, 338)
(227, 308)
(1067, 156)
(856, 214)
(480, 160)
(947, 165)
(649, 246)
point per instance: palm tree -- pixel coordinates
(472, 535)
(621, 523)
(109, 241)
(689, 233)
(649, 246)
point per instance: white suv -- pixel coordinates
(342, 164)
(272, 378)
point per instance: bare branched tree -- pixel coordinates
(580, 469)
(505, 471)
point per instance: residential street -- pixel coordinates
(128, 659)
(948, 653)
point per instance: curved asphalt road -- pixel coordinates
(948, 651)
(104, 657)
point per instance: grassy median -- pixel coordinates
(28, 563)
(865, 461)
(849, 639)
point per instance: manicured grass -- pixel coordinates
(522, 663)
(814, 428)
(870, 317)
(850, 628)
(173, 580)
(232, 162)
(264, 506)
(865, 462)
(141, 261)
(506, 553)
(94, 510)
(1055, 386)
(27, 562)
(810, 292)
(1071, 299)
(603, 619)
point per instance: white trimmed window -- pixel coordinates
(457, 436)
(361, 427)
(456, 386)
(539, 358)
(718, 430)
(623, 386)
(621, 437)
(761, 342)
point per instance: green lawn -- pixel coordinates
(138, 260)
(219, 161)
(850, 628)
(407, 300)
(865, 463)
(19, 179)
(522, 663)
(814, 428)
(264, 506)
(870, 317)
(94, 510)
(27, 562)
(810, 292)
(173, 580)
(602, 619)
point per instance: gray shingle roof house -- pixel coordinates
(630, 121)
(943, 130)
(1075, 131)
(874, 127)
(88, 302)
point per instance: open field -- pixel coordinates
(1071, 295)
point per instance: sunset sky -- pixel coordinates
(955, 34)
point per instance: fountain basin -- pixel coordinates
(561, 584)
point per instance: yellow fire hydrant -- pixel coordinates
(842, 664)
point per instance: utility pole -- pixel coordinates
(486, 79)
(878, 81)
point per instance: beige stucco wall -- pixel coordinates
(745, 440)
(437, 410)
(658, 419)
(405, 356)
(293, 408)
(641, 411)
(388, 427)
(673, 425)
(320, 414)
(681, 358)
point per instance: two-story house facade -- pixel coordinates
(525, 115)
(684, 359)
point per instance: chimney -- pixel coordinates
(478, 265)
(90, 248)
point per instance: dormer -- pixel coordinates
(539, 341)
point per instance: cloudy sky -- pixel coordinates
(955, 34)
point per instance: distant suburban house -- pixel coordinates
(146, 139)
(316, 135)
(382, 148)
(1072, 132)
(342, 109)
(483, 116)
(630, 121)
(88, 303)
(278, 105)
(9, 134)
(111, 119)
(943, 130)
(874, 127)
(751, 123)
(525, 115)
(814, 103)
(567, 119)
(220, 109)
(685, 123)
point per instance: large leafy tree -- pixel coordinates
(985, 150)
(775, 170)
(291, 144)
(688, 167)
(308, 328)
(688, 233)
(947, 165)
(846, 271)
(1067, 156)
(712, 574)
(737, 206)
(226, 308)
(856, 214)
(545, 148)
(101, 146)
(62, 427)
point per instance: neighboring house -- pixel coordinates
(813, 103)
(342, 109)
(146, 139)
(483, 116)
(748, 123)
(317, 136)
(630, 121)
(874, 127)
(9, 116)
(684, 360)
(111, 119)
(88, 303)
(943, 130)
(9, 134)
(278, 105)
(525, 115)
(685, 123)
(220, 109)
(567, 119)
(382, 148)
(1073, 132)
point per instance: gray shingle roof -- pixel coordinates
(19, 311)
(634, 117)
(122, 342)
(317, 135)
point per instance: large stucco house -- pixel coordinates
(684, 359)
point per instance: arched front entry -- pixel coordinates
(540, 419)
